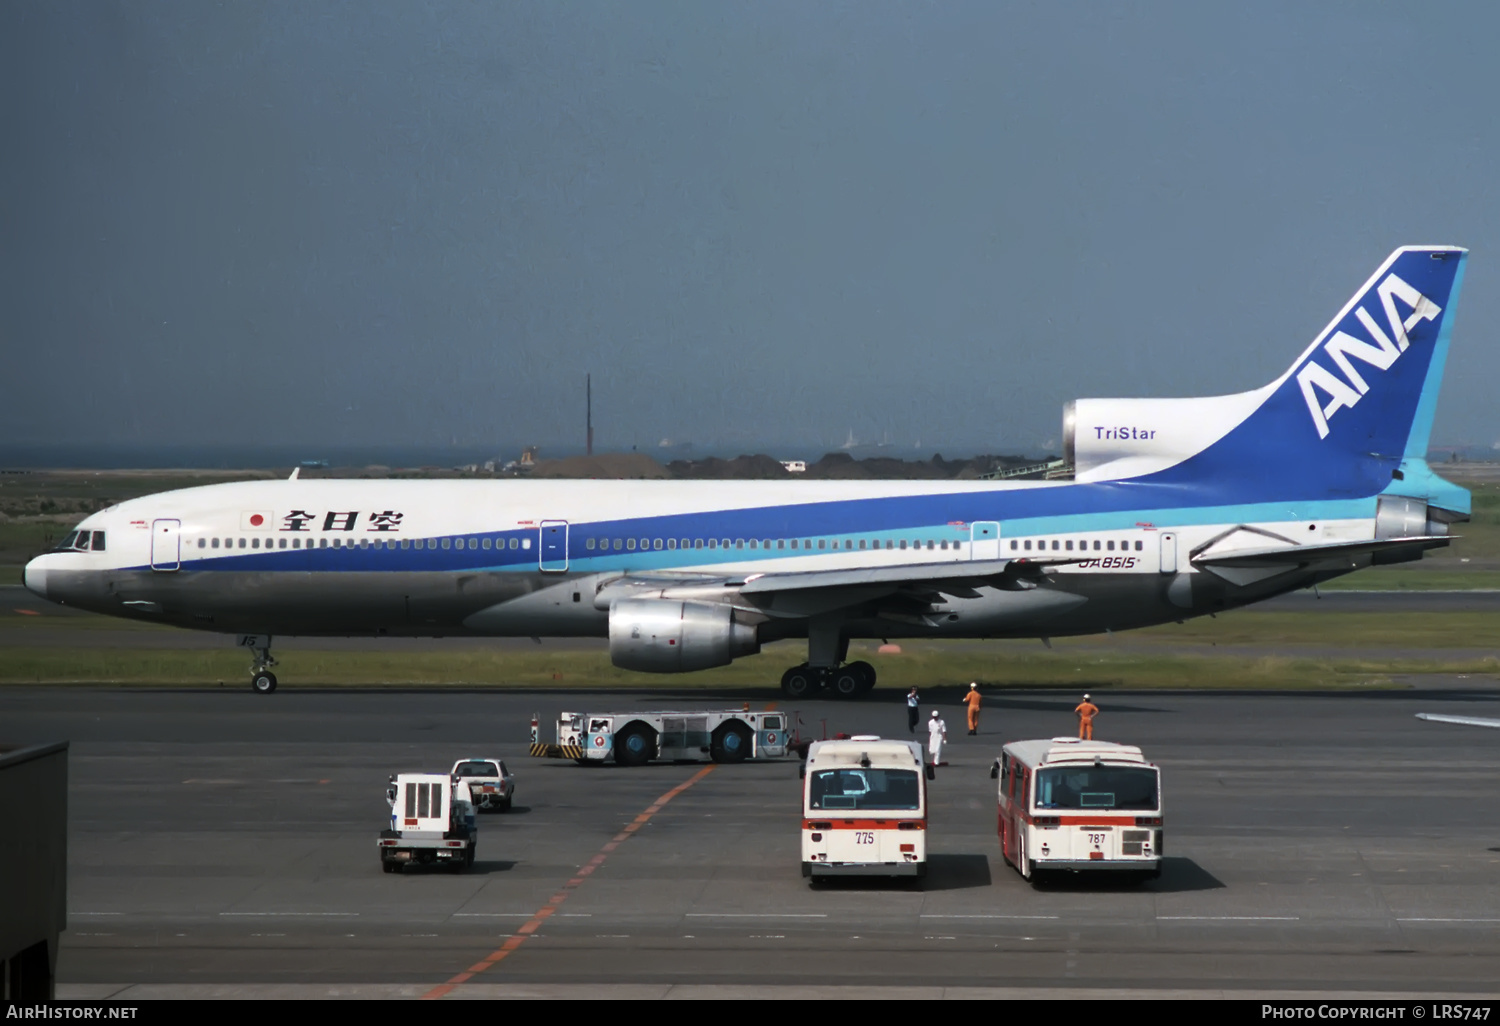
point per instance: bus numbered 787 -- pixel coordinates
(1082, 806)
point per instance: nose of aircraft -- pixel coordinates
(36, 577)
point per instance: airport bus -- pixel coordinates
(1083, 806)
(864, 808)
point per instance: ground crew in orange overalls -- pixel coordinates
(1086, 711)
(972, 700)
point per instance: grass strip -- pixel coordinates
(925, 667)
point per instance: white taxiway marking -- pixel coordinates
(288, 913)
(1434, 920)
(935, 915)
(757, 915)
(1238, 919)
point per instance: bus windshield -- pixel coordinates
(1096, 787)
(865, 789)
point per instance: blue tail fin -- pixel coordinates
(1359, 400)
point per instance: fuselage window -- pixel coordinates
(487, 543)
(1069, 545)
(822, 543)
(849, 543)
(861, 543)
(322, 543)
(589, 544)
(929, 544)
(1110, 546)
(202, 542)
(446, 543)
(216, 543)
(1096, 544)
(255, 543)
(656, 543)
(525, 543)
(1056, 544)
(739, 543)
(619, 544)
(903, 544)
(781, 543)
(630, 544)
(944, 545)
(698, 543)
(1137, 546)
(645, 543)
(713, 543)
(296, 543)
(725, 543)
(671, 543)
(687, 543)
(794, 543)
(473, 543)
(282, 543)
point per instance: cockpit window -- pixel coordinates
(79, 541)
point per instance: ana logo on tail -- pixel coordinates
(1387, 349)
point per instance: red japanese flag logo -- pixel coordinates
(257, 520)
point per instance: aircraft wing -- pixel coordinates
(1304, 555)
(980, 572)
(814, 592)
(1467, 721)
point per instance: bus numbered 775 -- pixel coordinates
(1082, 806)
(864, 808)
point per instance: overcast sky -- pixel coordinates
(757, 224)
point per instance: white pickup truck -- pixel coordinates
(491, 785)
(432, 823)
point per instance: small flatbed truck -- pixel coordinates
(432, 823)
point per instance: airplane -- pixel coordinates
(1177, 508)
(1467, 721)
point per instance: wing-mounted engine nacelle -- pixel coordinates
(665, 636)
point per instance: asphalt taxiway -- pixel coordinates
(222, 844)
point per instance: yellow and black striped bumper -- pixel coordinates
(541, 751)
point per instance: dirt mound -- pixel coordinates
(616, 466)
(742, 468)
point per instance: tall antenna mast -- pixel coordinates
(589, 392)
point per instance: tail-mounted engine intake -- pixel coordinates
(663, 636)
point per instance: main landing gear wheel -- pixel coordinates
(264, 682)
(799, 681)
(847, 682)
(867, 677)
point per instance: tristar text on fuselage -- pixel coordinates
(1177, 508)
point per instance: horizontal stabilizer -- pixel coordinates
(1304, 555)
(1466, 721)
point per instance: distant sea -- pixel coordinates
(244, 457)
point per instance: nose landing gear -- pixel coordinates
(262, 680)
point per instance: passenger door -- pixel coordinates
(166, 545)
(984, 540)
(554, 546)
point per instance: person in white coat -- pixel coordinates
(937, 734)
